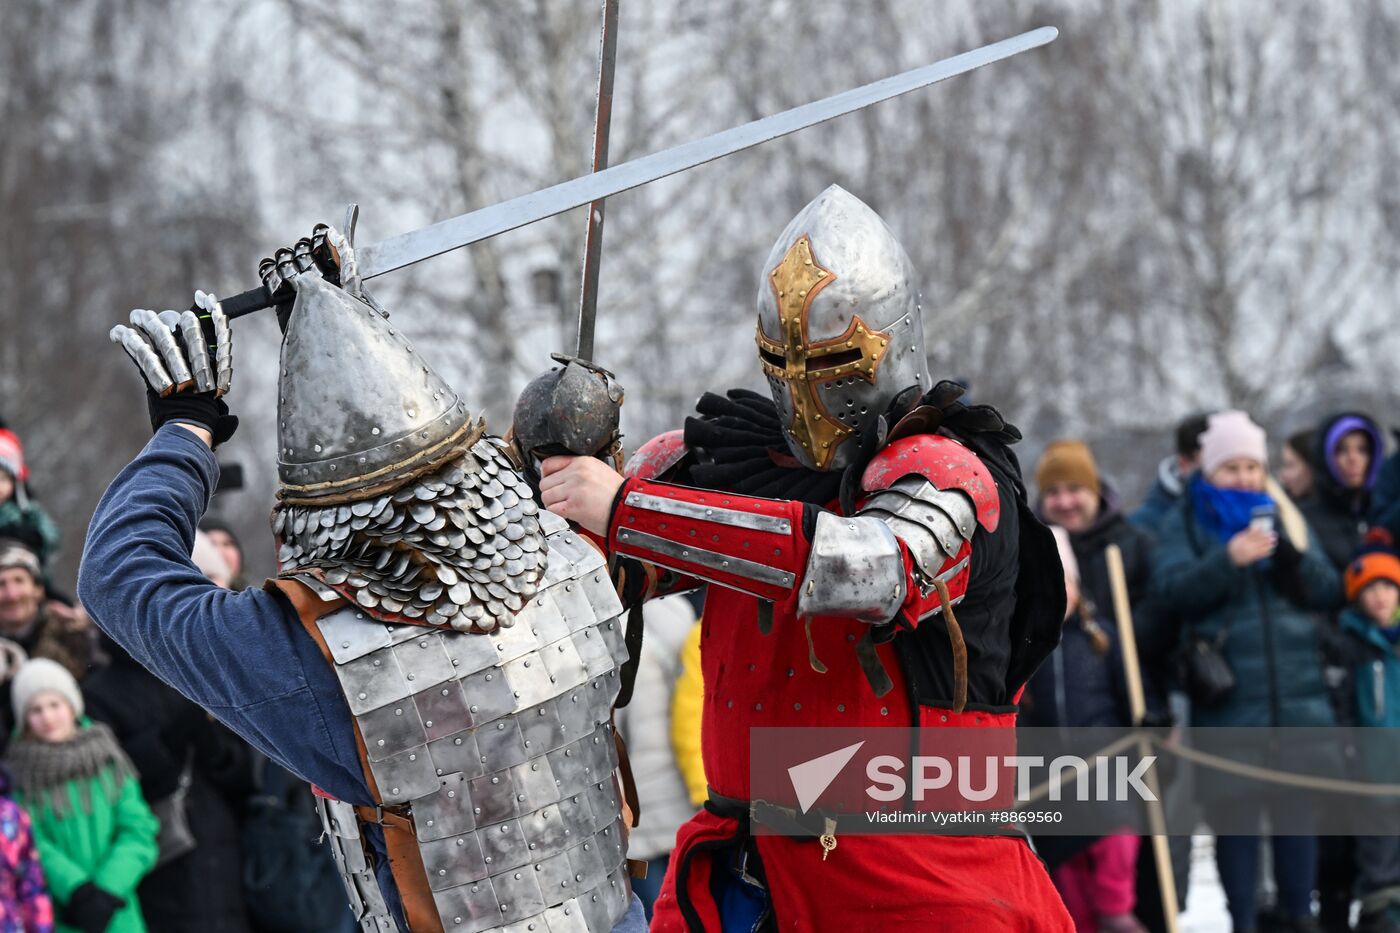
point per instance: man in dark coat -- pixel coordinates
(42, 627)
(1076, 497)
(1087, 670)
(1172, 474)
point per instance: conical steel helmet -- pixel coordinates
(358, 409)
(839, 326)
(390, 494)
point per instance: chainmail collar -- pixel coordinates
(460, 546)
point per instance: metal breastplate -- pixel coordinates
(501, 748)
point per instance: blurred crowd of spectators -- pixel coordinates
(1264, 588)
(124, 807)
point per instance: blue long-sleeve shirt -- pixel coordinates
(242, 656)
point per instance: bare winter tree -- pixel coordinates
(1257, 234)
(102, 214)
(1175, 206)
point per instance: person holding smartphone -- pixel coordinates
(1240, 586)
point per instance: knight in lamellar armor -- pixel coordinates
(871, 561)
(438, 655)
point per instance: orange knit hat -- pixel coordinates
(1375, 562)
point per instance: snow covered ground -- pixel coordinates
(1205, 899)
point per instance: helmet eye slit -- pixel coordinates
(832, 360)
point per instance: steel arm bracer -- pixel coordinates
(857, 564)
(871, 566)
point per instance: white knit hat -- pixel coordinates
(1230, 435)
(40, 675)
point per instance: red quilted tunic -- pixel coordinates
(753, 680)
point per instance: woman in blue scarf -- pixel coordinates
(1233, 581)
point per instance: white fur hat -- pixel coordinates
(40, 675)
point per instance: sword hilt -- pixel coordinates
(255, 299)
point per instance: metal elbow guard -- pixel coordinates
(854, 569)
(935, 525)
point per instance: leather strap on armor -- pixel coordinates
(955, 636)
(405, 858)
(405, 864)
(808, 825)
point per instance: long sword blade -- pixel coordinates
(593, 234)
(465, 229)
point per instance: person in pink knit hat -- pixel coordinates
(1245, 592)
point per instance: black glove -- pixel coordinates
(90, 908)
(202, 408)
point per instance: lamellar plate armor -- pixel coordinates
(476, 637)
(499, 747)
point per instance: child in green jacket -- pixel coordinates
(96, 836)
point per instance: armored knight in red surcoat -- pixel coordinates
(871, 562)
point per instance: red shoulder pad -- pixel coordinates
(656, 456)
(945, 463)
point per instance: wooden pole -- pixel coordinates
(1137, 706)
